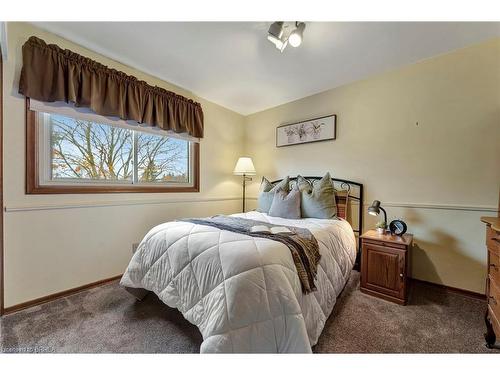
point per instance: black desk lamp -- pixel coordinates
(375, 209)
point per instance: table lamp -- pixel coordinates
(375, 209)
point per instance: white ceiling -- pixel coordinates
(233, 64)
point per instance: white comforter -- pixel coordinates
(242, 292)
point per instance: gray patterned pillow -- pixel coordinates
(318, 199)
(266, 193)
(286, 205)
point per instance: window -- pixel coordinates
(89, 153)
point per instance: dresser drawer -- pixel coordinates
(494, 298)
(494, 266)
(492, 240)
(494, 322)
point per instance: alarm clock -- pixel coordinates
(398, 227)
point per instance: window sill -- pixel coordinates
(65, 189)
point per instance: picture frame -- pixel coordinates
(318, 129)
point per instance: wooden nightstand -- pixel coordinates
(385, 265)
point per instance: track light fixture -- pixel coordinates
(295, 38)
(279, 35)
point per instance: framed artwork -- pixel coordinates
(314, 130)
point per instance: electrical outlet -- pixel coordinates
(134, 247)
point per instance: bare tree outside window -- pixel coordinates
(85, 150)
(161, 159)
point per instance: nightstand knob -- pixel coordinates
(401, 275)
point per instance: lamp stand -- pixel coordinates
(245, 179)
(385, 216)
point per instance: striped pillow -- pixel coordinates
(342, 198)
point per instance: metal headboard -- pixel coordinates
(355, 195)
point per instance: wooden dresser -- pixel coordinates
(492, 317)
(385, 265)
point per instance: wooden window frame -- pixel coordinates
(33, 185)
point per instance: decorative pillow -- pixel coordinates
(318, 199)
(267, 190)
(286, 205)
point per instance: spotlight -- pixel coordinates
(296, 36)
(276, 35)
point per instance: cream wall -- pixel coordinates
(440, 175)
(57, 242)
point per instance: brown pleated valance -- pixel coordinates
(52, 74)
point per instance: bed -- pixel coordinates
(243, 292)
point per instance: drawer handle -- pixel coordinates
(492, 300)
(494, 266)
(495, 239)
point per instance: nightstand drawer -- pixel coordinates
(385, 244)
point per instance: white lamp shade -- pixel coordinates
(244, 166)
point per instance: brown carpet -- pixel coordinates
(108, 320)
